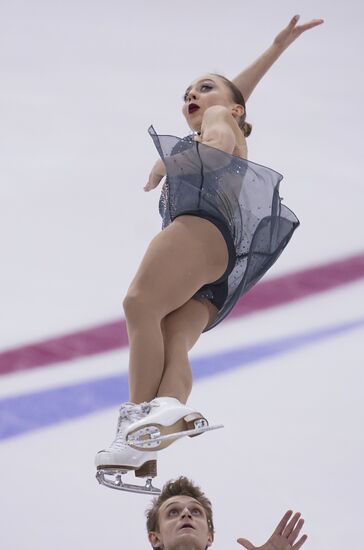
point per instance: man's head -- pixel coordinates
(180, 517)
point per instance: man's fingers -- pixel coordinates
(299, 543)
(291, 525)
(296, 531)
(282, 524)
(246, 543)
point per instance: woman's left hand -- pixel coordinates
(284, 536)
(293, 31)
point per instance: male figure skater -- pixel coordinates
(180, 518)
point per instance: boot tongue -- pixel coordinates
(132, 412)
(136, 412)
(146, 407)
(126, 412)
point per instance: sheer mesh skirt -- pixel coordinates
(241, 194)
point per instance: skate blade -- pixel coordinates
(158, 440)
(112, 479)
(193, 423)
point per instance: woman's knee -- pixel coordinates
(137, 305)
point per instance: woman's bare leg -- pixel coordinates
(188, 254)
(181, 330)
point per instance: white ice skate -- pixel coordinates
(168, 421)
(119, 459)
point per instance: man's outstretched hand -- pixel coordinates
(284, 536)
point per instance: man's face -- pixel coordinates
(182, 525)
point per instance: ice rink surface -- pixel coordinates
(81, 82)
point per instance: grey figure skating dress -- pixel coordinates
(240, 197)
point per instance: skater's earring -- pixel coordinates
(154, 540)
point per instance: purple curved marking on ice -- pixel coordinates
(111, 336)
(32, 411)
(25, 413)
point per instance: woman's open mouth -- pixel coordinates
(192, 108)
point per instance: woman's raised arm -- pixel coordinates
(247, 80)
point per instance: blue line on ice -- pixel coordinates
(29, 412)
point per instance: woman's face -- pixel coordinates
(202, 93)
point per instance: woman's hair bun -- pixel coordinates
(246, 129)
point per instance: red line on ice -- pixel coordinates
(110, 336)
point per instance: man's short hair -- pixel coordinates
(181, 486)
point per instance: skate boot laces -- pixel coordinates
(129, 413)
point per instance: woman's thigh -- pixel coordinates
(188, 254)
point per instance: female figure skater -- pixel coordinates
(223, 227)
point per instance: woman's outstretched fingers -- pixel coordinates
(153, 181)
(293, 22)
(292, 31)
(156, 175)
(305, 26)
(310, 25)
